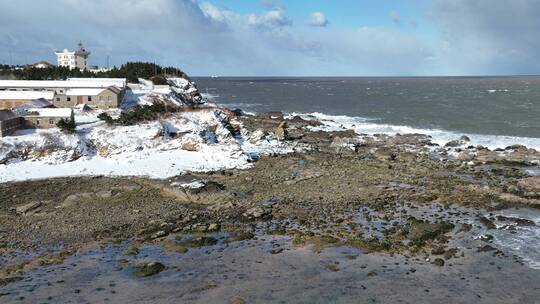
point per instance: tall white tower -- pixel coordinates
(74, 60)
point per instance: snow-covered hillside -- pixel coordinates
(179, 92)
(208, 138)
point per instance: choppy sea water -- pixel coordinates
(493, 111)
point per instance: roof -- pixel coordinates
(101, 83)
(26, 95)
(96, 79)
(51, 112)
(36, 103)
(115, 89)
(7, 115)
(41, 64)
(84, 92)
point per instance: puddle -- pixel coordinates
(522, 240)
(533, 171)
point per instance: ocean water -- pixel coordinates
(493, 111)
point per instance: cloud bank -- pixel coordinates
(490, 37)
(470, 37)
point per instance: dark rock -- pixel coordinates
(486, 248)
(276, 250)
(238, 112)
(438, 262)
(487, 222)
(149, 269)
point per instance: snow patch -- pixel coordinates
(155, 149)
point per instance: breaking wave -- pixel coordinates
(369, 126)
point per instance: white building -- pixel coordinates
(74, 60)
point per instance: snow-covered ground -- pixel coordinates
(188, 141)
(205, 139)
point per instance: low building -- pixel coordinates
(33, 104)
(59, 86)
(45, 118)
(9, 122)
(41, 65)
(13, 99)
(107, 98)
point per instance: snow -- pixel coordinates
(191, 141)
(21, 95)
(60, 84)
(118, 82)
(84, 92)
(153, 149)
(51, 112)
(197, 184)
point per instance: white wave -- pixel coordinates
(210, 96)
(368, 126)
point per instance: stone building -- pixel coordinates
(107, 98)
(9, 122)
(45, 118)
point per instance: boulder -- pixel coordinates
(255, 212)
(104, 194)
(339, 142)
(281, 131)
(455, 143)
(23, 209)
(74, 199)
(189, 147)
(438, 262)
(149, 269)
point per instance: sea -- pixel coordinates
(493, 111)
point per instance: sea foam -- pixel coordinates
(369, 126)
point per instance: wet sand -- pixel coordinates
(225, 273)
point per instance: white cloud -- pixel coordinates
(274, 18)
(202, 39)
(317, 19)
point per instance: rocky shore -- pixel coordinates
(361, 211)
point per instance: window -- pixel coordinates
(109, 98)
(57, 98)
(37, 122)
(100, 98)
(89, 98)
(69, 99)
(51, 121)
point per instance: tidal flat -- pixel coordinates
(345, 218)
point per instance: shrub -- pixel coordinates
(159, 80)
(144, 113)
(106, 117)
(66, 125)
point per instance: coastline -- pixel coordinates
(335, 196)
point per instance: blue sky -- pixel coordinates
(284, 38)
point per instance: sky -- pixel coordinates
(283, 38)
